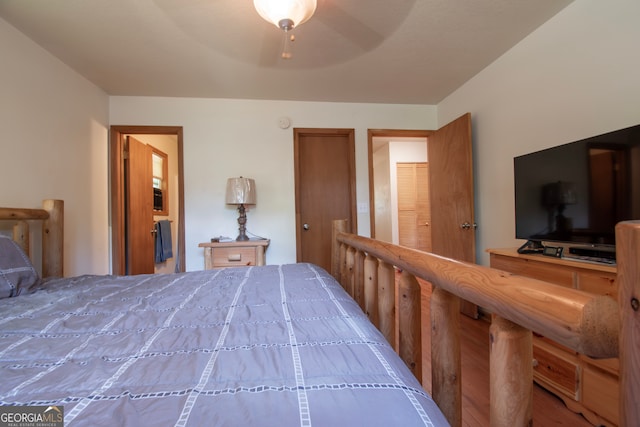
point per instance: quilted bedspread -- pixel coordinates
(254, 346)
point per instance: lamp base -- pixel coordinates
(242, 221)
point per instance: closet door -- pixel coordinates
(414, 212)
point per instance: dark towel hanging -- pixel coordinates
(164, 249)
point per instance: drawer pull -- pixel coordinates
(234, 257)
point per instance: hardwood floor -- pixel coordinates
(548, 410)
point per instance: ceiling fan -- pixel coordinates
(336, 31)
(286, 15)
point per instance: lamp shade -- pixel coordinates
(241, 191)
(283, 13)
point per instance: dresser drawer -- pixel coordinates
(234, 256)
(533, 269)
(600, 393)
(556, 370)
(598, 283)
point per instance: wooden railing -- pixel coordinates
(588, 323)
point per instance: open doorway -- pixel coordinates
(165, 144)
(451, 198)
(387, 150)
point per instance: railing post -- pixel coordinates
(358, 278)
(349, 273)
(338, 226)
(628, 260)
(511, 395)
(371, 289)
(387, 302)
(409, 323)
(342, 266)
(446, 367)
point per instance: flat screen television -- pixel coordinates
(577, 192)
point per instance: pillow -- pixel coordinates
(17, 274)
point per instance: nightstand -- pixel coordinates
(234, 254)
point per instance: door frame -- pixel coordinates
(346, 132)
(372, 133)
(117, 194)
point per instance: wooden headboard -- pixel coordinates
(594, 325)
(52, 217)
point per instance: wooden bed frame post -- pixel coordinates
(446, 366)
(511, 395)
(52, 239)
(628, 259)
(21, 235)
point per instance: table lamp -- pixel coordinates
(241, 191)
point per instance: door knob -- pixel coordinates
(466, 226)
(305, 226)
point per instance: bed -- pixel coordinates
(272, 345)
(293, 344)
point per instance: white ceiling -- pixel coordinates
(383, 51)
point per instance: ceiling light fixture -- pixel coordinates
(286, 15)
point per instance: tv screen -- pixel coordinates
(578, 192)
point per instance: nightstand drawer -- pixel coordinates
(234, 254)
(227, 257)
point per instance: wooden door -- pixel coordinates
(414, 212)
(118, 200)
(139, 196)
(451, 192)
(324, 161)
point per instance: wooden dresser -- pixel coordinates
(234, 254)
(586, 385)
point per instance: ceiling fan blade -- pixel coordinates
(334, 16)
(339, 31)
